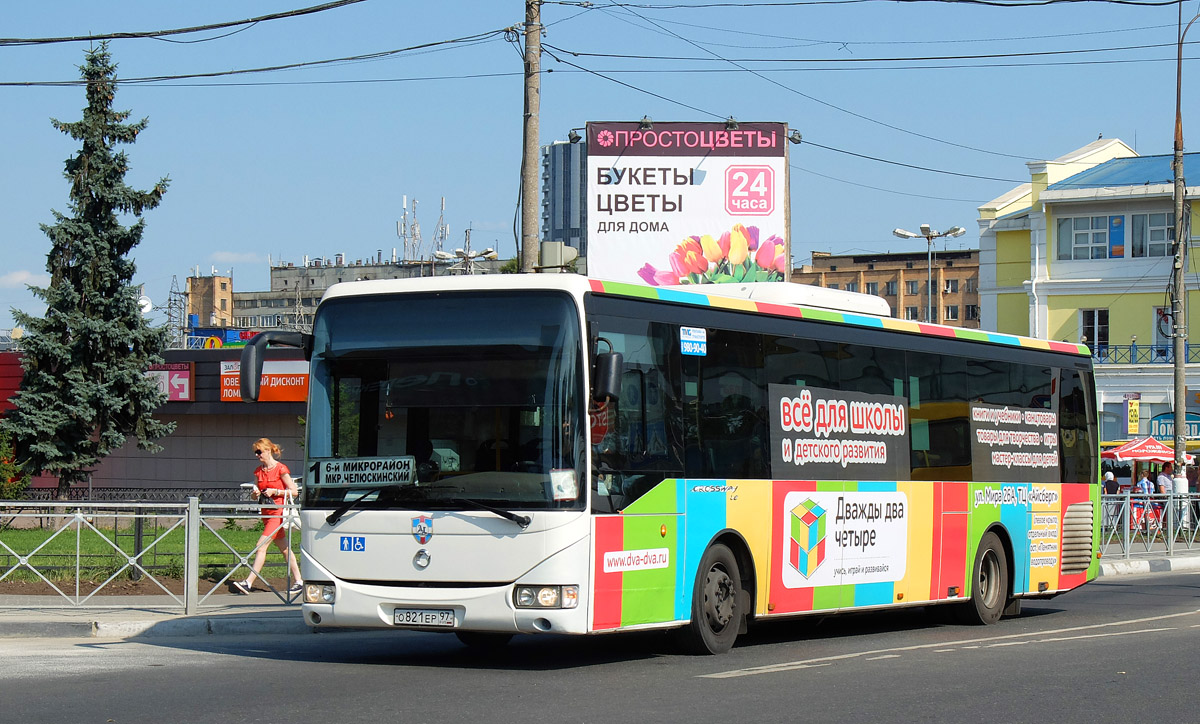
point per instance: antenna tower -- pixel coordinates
(297, 322)
(442, 231)
(409, 232)
(176, 317)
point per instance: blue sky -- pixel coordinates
(316, 161)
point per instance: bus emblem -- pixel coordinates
(422, 528)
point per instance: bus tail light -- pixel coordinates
(546, 596)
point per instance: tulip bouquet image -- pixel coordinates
(735, 256)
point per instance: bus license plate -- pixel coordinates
(423, 617)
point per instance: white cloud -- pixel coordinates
(19, 278)
(235, 257)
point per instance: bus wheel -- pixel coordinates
(484, 640)
(717, 602)
(989, 587)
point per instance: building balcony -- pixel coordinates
(1141, 354)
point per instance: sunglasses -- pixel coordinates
(258, 452)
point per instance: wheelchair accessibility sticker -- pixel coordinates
(354, 543)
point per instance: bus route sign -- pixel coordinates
(364, 472)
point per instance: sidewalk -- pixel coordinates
(147, 616)
(262, 613)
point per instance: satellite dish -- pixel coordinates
(145, 304)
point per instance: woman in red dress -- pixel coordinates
(273, 483)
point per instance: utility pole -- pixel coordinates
(1178, 293)
(530, 158)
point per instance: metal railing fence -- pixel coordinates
(83, 554)
(1137, 523)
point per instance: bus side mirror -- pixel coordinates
(606, 383)
(253, 352)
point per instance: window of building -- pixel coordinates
(852, 286)
(1153, 234)
(972, 311)
(910, 313)
(971, 284)
(833, 286)
(1084, 237)
(951, 312)
(951, 286)
(872, 287)
(912, 287)
(223, 302)
(890, 289)
(1093, 329)
(222, 286)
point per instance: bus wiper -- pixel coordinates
(521, 520)
(342, 509)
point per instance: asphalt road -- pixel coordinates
(1118, 650)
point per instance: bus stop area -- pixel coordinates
(262, 613)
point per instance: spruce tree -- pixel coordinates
(85, 389)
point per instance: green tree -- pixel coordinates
(13, 481)
(84, 389)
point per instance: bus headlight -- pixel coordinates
(318, 592)
(546, 596)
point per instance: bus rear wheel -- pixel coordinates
(989, 587)
(717, 604)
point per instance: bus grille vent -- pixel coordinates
(1077, 538)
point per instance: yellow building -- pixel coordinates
(1084, 253)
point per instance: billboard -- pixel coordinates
(688, 203)
(282, 381)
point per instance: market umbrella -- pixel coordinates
(1145, 449)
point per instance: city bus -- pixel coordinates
(549, 453)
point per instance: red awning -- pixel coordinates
(1145, 449)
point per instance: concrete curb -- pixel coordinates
(1134, 567)
(161, 628)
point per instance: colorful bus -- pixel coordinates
(493, 455)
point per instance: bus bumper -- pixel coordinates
(474, 608)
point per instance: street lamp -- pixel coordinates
(1178, 307)
(929, 234)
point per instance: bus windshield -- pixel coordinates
(475, 397)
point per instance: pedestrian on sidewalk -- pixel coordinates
(273, 485)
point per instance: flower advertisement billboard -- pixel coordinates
(687, 203)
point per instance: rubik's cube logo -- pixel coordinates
(806, 543)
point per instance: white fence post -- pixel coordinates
(191, 558)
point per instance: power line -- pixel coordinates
(466, 40)
(803, 3)
(827, 104)
(808, 42)
(158, 34)
(896, 59)
(879, 188)
(807, 141)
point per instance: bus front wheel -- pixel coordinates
(989, 587)
(717, 604)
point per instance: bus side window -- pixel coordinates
(1077, 424)
(638, 442)
(937, 413)
(733, 409)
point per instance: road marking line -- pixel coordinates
(966, 643)
(885, 656)
(943, 651)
